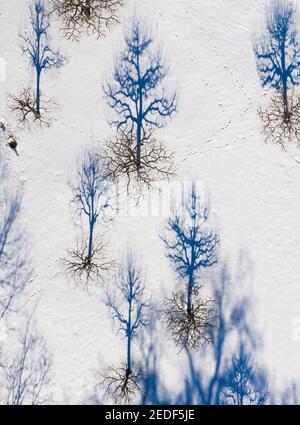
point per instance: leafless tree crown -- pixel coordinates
(121, 383)
(193, 328)
(84, 269)
(281, 125)
(23, 106)
(120, 161)
(91, 16)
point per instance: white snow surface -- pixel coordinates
(216, 136)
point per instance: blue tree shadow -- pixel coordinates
(130, 311)
(133, 95)
(92, 201)
(277, 53)
(35, 46)
(140, 104)
(214, 372)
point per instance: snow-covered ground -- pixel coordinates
(216, 136)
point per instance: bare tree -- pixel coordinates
(91, 198)
(26, 377)
(276, 128)
(24, 109)
(191, 246)
(129, 310)
(119, 161)
(189, 328)
(83, 270)
(90, 16)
